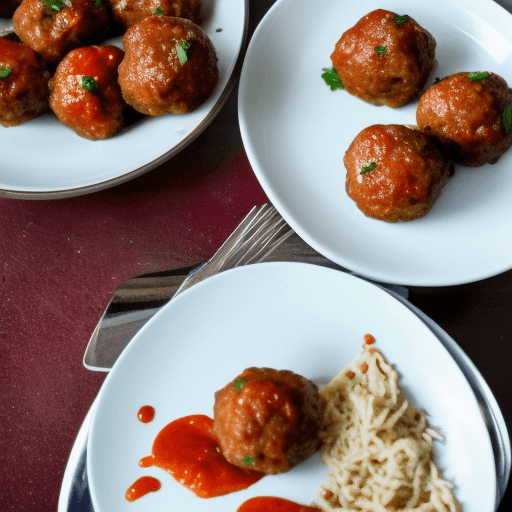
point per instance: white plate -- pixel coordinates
(293, 316)
(44, 159)
(296, 131)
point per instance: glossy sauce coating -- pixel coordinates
(129, 12)
(268, 420)
(142, 486)
(383, 59)
(146, 414)
(96, 114)
(153, 79)
(53, 33)
(394, 173)
(274, 504)
(24, 90)
(187, 449)
(467, 116)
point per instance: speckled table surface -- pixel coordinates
(61, 260)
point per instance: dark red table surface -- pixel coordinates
(61, 260)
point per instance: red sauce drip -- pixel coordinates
(271, 504)
(188, 450)
(369, 339)
(141, 487)
(146, 414)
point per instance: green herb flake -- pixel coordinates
(368, 168)
(400, 19)
(477, 75)
(56, 5)
(89, 84)
(332, 79)
(381, 50)
(182, 49)
(97, 3)
(248, 460)
(507, 118)
(158, 11)
(5, 71)
(238, 384)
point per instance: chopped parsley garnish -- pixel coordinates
(5, 71)
(400, 19)
(56, 5)
(89, 84)
(238, 384)
(332, 79)
(182, 49)
(507, 118)
(158, 11)
(248, 460)
(477, 75)
(368, 168)
(97, 3)
(381, 50)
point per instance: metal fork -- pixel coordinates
(135, 301)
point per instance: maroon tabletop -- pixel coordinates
(61, 260)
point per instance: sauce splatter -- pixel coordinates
(187, 449)
(369, 339)
(146, 414)
(272, 504)
(141, 487)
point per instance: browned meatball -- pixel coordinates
(7, 7)
(129, 12)
(85, 94)
(53, 31)
(268, 420)
(170, 66)
(465, 112)
(24, 79)
(394, 173)
(384, 58)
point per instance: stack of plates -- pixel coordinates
(294, 316)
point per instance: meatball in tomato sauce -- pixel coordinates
(394, 172)
(55, 27)
(385, 58)
(129, 12)
(170, 66)
(85, 94)
(24, 77)
(268, 420)
(466, 112)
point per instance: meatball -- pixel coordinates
(465, 112)
(170, 66)
(53, 31)
(7, 7)
(85, 94)
(24, 77)
(384, 59)
(268, 420)
(394, 172)
(129, 12)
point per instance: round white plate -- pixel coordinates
(44, 159)
(294, 316)
(296, 131)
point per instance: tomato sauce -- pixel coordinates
(273, 504)
(141, 487)
(146, 414)
(187, 449)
